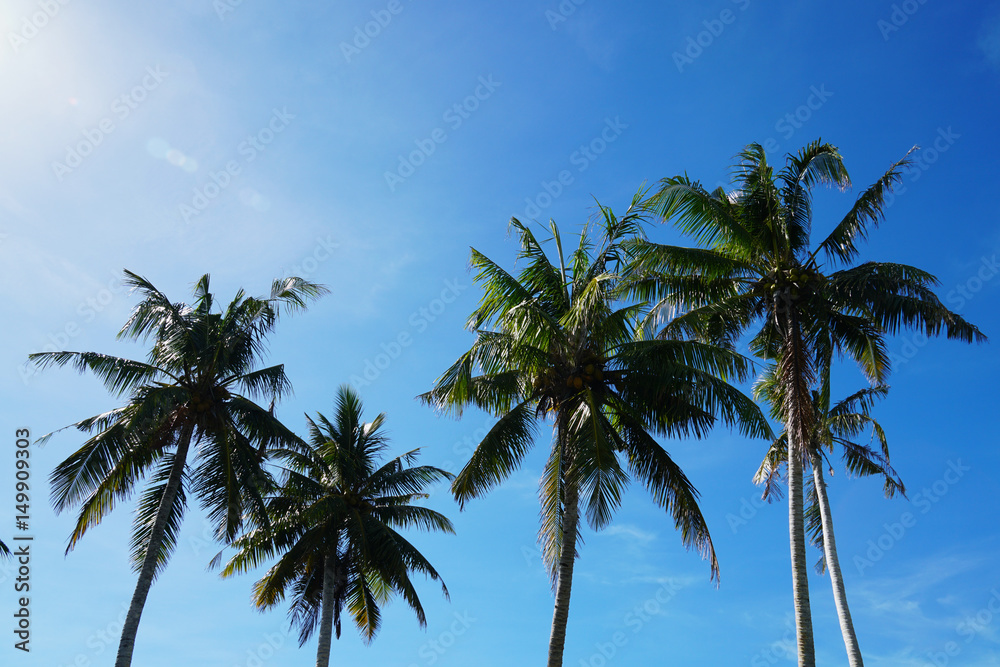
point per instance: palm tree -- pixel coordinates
(185, 394)
(757, 268)
(553, 344)
(832, 426)
(333, 521)
(4, 551)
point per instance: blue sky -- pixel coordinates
(252, 140)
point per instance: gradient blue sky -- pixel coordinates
(165, 99)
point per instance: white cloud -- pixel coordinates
(629, 532)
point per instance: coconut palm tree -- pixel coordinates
(184, 427)
(334, 521)
(4, 551)
(834, 426)
(756, 267)
(553, 344)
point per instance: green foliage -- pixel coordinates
(555, 343)
(755, 273)
(838, 426)
(756, 267)
(187, 391)
(338, 507)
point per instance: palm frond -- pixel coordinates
(498, 455)
(120, 376)
(146, 513)
(868, 211)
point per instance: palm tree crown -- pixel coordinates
(833, 426)
(188, 391)
(333, 522)
(757, 268)
(554, 344)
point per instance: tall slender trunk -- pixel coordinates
(147, 572)
(800, 573)
(833, 566)
(797, 414)
(567, 558)
(326, 612)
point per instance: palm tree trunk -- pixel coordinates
(833, 566)
(148, 570)
(567, 558)
(800, 580)
(798, 409)
(326, 613)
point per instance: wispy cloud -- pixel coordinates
(929, 607)
(660, 580)
(989, 41)
(630, 532)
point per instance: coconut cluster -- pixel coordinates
(792, 282)
(587, 370)
(204, 400)
(354, 500)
